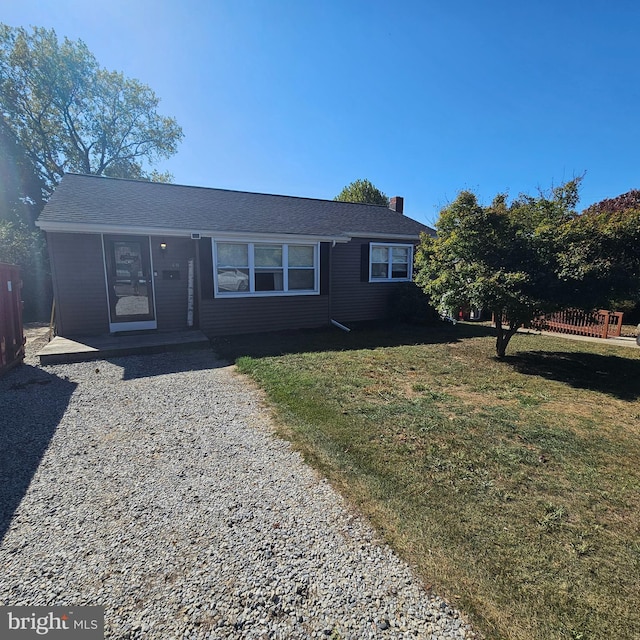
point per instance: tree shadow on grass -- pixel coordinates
(362, 336)
(32, 403)
(613, 375)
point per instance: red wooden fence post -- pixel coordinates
(605, 328)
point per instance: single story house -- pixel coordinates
(129, 255)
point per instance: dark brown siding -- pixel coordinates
(226, 316)
(171, 294)
(78, 281)
(79, 287)
(252, 315)
(353, 298)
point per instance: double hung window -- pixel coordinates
(390, 262)
(261, 268)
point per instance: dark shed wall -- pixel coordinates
(353, 298)
(78, 283)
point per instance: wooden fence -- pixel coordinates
(598, 324)
(11, 333)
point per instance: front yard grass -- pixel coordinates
(512, 487)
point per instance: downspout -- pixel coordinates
(58, 326)
(335, 323)
(330, 280)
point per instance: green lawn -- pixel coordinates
(512, 487)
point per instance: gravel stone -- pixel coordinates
(154, 486)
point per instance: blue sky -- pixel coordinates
(424, 99)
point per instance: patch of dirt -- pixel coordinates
(477, 399)
(610, 415)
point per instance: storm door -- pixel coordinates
(129, 283)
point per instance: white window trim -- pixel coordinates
(389, 246)
(252, 293)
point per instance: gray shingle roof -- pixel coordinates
(95, 201)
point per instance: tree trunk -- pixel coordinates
(504, 334)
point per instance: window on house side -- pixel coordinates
(268, 270)
(390, 262)
(262, 268)
(232, 267)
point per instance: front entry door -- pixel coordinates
(129, 283)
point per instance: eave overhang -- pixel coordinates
(383, 236)
(78, 227)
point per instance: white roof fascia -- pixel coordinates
(81, 227)
(249, 236)
(78, 227)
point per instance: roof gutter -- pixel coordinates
(384, 236)
(78, 227)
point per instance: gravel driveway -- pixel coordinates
(152, 485)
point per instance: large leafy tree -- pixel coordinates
(509, 258)
(603, 250)
(69, 114)
(20, 242)
(60, 111)
(364, 192)
(20, 189)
